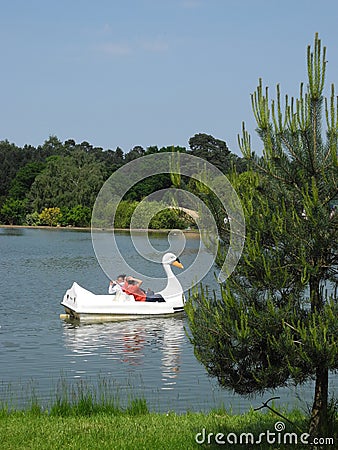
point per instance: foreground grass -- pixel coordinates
(136, 429)
(83, 417)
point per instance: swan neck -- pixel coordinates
(168, 270)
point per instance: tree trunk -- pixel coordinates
(315, 297)
(318, 420)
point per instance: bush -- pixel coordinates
(33, 219)
(50, 216)
(13, 211)
(170, 219)
(123, 214)
(78, 216)
(153, 215)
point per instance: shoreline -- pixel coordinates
(71, 228)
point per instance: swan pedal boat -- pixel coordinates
(80, 303)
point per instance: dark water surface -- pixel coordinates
(149, 357)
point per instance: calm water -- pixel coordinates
(150, 357)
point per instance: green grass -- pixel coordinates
(32, 430)
(83, 418)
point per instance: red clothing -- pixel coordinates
(136, 291)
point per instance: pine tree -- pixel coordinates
(276, 321)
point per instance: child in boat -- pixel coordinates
(132, 285)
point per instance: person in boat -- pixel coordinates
(116, 285)
(132, 286)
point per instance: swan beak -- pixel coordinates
(178, 264)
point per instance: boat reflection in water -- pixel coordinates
(147, 349)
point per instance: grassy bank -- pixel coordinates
(86, 425)
(37, 430)
(83, 417)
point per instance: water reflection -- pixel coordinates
(8, 231)
(132, 347)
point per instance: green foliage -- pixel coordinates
(77, 216)
(209, 148)
(33, 219)
(277, 318)
(67, 181)
(13, 211)
(12, 158)
(216, 152)
(148, 186)
(124, 213)
(170, 219)
(153, 215)
(50, 216)
(70, 174)
(251, 346)
(24, 179)
(137, 407)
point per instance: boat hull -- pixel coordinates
(83, 304)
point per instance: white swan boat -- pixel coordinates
(81, 304)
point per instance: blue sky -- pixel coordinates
(151, 72)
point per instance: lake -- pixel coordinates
(149, 357)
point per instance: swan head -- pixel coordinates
(171, 259)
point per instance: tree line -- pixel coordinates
(57, 182)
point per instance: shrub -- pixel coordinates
(50, 216)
